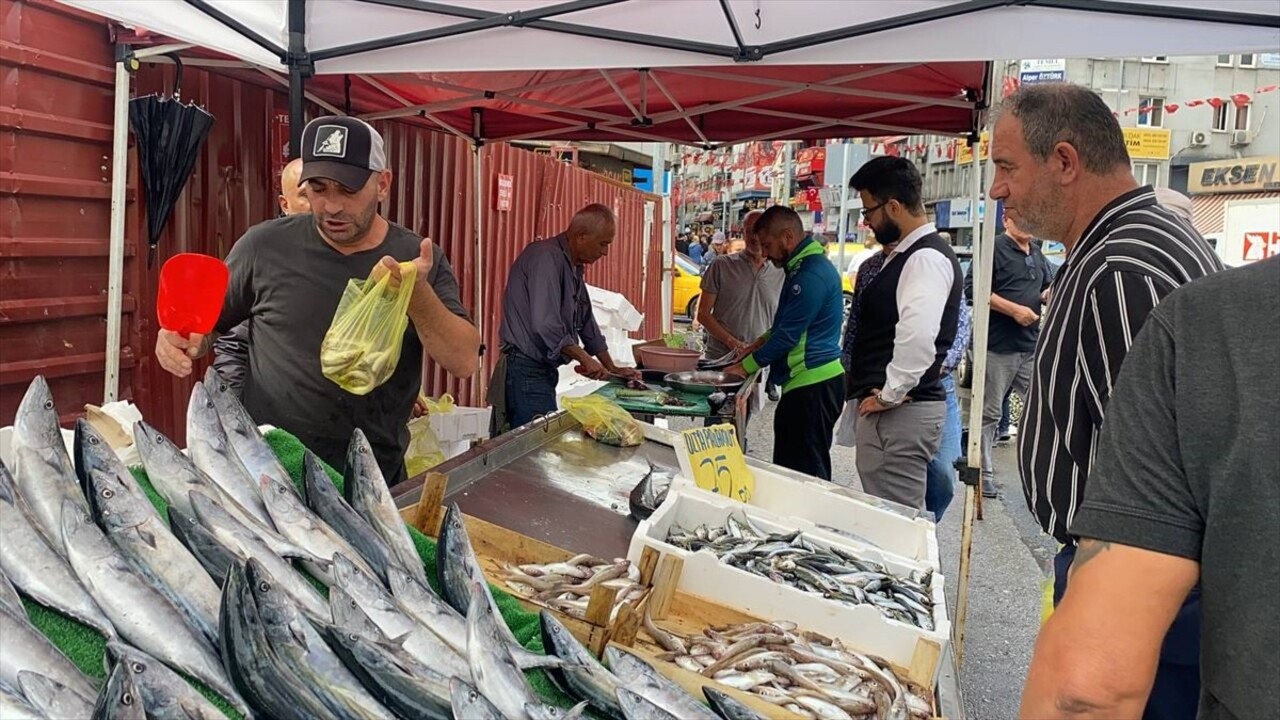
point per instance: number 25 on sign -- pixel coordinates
(713, 458)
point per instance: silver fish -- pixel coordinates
(637, 707)
(119, 699)
(324, 499)
(457, 568)
(582, 676)
(407, 687)
(244, 544)
(297, 644)
(649, 493)
(141, 615)
(300, 526)
(212, 555)
(32, 563)
(256, 670)
(52, 698)
(9, 599)
(418, 640)
(166, 695)
(15, 707)
(26, 649)
(468, 703)
(639, 677)
(131, 521)
(366, 491)
(246, 439)
(43, 470)
(420, 602)
(211, 452)
(729, 707)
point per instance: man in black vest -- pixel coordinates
(905, 326)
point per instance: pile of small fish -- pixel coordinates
(566, 586)
(212, 591)
(792, 559)
(804, 672)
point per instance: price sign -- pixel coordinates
(713, 458)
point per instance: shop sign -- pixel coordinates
(713, 458)
(1044, 70)
(1147, 143)
(506, 188)
(942, 151)
(279, 143)
(1257, 174)
(964, 154)
(1261, 245)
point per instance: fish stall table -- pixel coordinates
(550, 482)
(740, 403)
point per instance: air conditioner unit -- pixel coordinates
(1240, 137)
(1199, 139)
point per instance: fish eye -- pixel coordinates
(126, 699)
(138, 667)
(93, 440)
(108, 493)
(48, 404)
(264, 586)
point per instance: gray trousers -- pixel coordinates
(1005, 372)
(894, 448)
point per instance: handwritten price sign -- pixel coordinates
(713, 458)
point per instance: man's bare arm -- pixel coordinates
(1096, 656)
(450, 340)
(706, 317)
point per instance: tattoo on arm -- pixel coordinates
(1088, 550)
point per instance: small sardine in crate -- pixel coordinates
(917, 652)
(497, 547)
(817, 504)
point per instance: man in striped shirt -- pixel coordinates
(1063, 172)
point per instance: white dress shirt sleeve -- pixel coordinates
(923, 289)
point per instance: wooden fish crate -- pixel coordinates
(497, 547)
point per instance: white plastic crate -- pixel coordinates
(462, 424)
(820, 505)
(861, 626)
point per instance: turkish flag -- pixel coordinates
(1267, 89)
(1194, 103)
(1009, 86)
(1241, 99)
(1216, 102)
(1171, 108)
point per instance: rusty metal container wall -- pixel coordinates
(55, 142)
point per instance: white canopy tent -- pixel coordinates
(379, 37)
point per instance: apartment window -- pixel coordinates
(1220, 117)
(1242, 116)
(1224, 61)
(1156, 59)
(1249, 61)
(1147, 174)
(1151, 111)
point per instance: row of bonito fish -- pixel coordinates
(791, 558)
(213, 593)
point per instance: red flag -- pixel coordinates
(1171, 108)
(1241, 99)
(1216, 102)
(1267, 89)
(1194, 103)
(1009, 86)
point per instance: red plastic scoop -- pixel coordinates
(192, 290)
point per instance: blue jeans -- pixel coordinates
(940, 473)
(1176, 692)
(531, 388)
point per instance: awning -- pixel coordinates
(1209, 212)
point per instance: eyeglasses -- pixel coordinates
(866, 212)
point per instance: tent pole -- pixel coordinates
(482, 379)
(115, 262)
(842, 223)
(983, 245)
(298, 61)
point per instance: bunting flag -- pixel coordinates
(1171, 108)
(1009, 86)
(1241, 99)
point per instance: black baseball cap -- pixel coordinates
(344, 149)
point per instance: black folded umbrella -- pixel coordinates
(169, 135)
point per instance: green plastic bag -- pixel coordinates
(362, 347)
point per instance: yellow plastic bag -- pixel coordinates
(605, 421)
(424, 450)
(362, 347)
(436, 407)
(1046, 599)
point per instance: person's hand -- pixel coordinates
(175, 352)
(592, 369)
(422, 263)
(736, 369)
(626, 373)
(1026, 317)
(420, 406)
(871, 404)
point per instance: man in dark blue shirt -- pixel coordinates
(547, 320)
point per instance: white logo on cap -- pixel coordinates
(331, 140)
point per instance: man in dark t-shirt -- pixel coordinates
(287, 276)
(1184, 489)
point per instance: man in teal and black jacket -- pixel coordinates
(802, 349)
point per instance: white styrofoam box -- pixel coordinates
(862, 626)
(614, 310)
(619, 342)
(461, 424)
(815, 506)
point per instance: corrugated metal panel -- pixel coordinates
(1210, 211)
(55, 140)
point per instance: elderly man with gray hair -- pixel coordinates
(547, 320)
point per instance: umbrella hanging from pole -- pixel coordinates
(169, 135)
